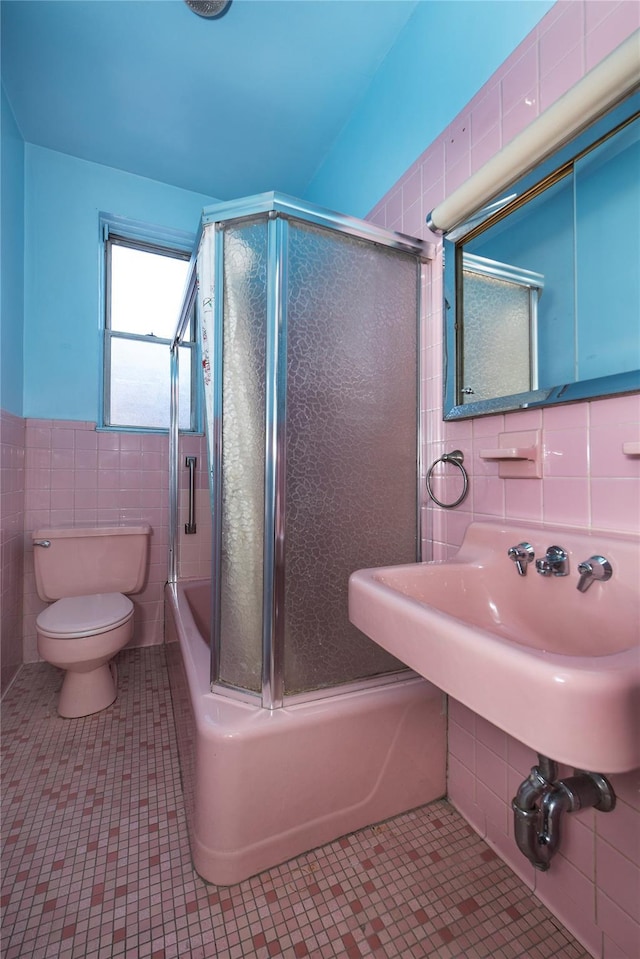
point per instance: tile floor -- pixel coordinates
(96, 858)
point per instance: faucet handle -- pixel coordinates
(521, 555)
(555, 563)
(594, 568)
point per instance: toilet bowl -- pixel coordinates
(86, 572)
(81, 635)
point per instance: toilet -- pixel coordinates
(84, 573)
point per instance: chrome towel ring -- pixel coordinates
(456, 458)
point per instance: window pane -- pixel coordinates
(139, 383)
(146, 291)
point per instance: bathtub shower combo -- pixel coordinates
(294, 728)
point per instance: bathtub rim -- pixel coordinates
(197, 663)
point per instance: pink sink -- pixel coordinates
(556, 668)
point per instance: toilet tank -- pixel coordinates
(83, 560)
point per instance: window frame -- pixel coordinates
(116, 231)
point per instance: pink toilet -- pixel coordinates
(84, 573)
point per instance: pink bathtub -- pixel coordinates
(262, 786)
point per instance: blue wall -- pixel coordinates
(445, 53)
(12, 260)
(64, 197)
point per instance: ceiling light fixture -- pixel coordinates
(209, 9)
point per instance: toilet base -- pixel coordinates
(85, 693)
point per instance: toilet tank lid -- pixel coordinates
(66, 532)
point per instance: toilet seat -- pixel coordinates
(80, 616)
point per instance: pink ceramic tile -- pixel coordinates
(574, 910)
(615, 504)
(457, 140)
(621, 931)
(108, 479)
(491, 770)
(523, 499)
(485, 148)
(619, 20)
(85, 459)
(566, 453)
(85, 479)
(131, 459)
(131, 441)
(489, 425)
(518, 83)
(462, 715)
(566, 416)
(61, 479)
(578, 842)
(108, 440)
(86, 439)
(62, 438)
(522, 420)
(457, 173)
(564, 878)
(37, 435)
(618, 877)
(495, 810)
(130, 479)
(607, 456)
(462, 746)
(622, 830)
(394, 206)
(486, 112)
(567, 32)
(108, 459)
(457, 522)
(413, 220)
(492, 737)
(627, 787)
(520, 116)
(155, 461)
(566, 500)
(488, 496)
(616, 409)
(432, 165)
(85, 500)
(562, 77)
(62, 458)
(461, 787)
(412, 187)
(108, 499)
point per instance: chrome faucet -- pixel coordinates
(522, 555)
(555, 563)
(596, 567)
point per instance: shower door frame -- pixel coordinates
(278, 209)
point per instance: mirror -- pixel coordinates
(542, 288)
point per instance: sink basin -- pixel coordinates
(556, 668)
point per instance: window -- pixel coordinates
(144, 288)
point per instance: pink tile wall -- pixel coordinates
(11, 544)
(594, 883)
(76, 474)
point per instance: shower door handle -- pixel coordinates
(190, 463)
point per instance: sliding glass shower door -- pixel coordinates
(311, 354)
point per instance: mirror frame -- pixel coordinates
(453, 246)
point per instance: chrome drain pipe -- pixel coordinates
(540, 801)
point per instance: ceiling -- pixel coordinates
(251, 102)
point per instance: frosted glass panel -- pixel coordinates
(351, 444)
(497, 338)
(243, 442)
(139, 384)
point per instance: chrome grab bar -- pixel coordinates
(190, 463)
